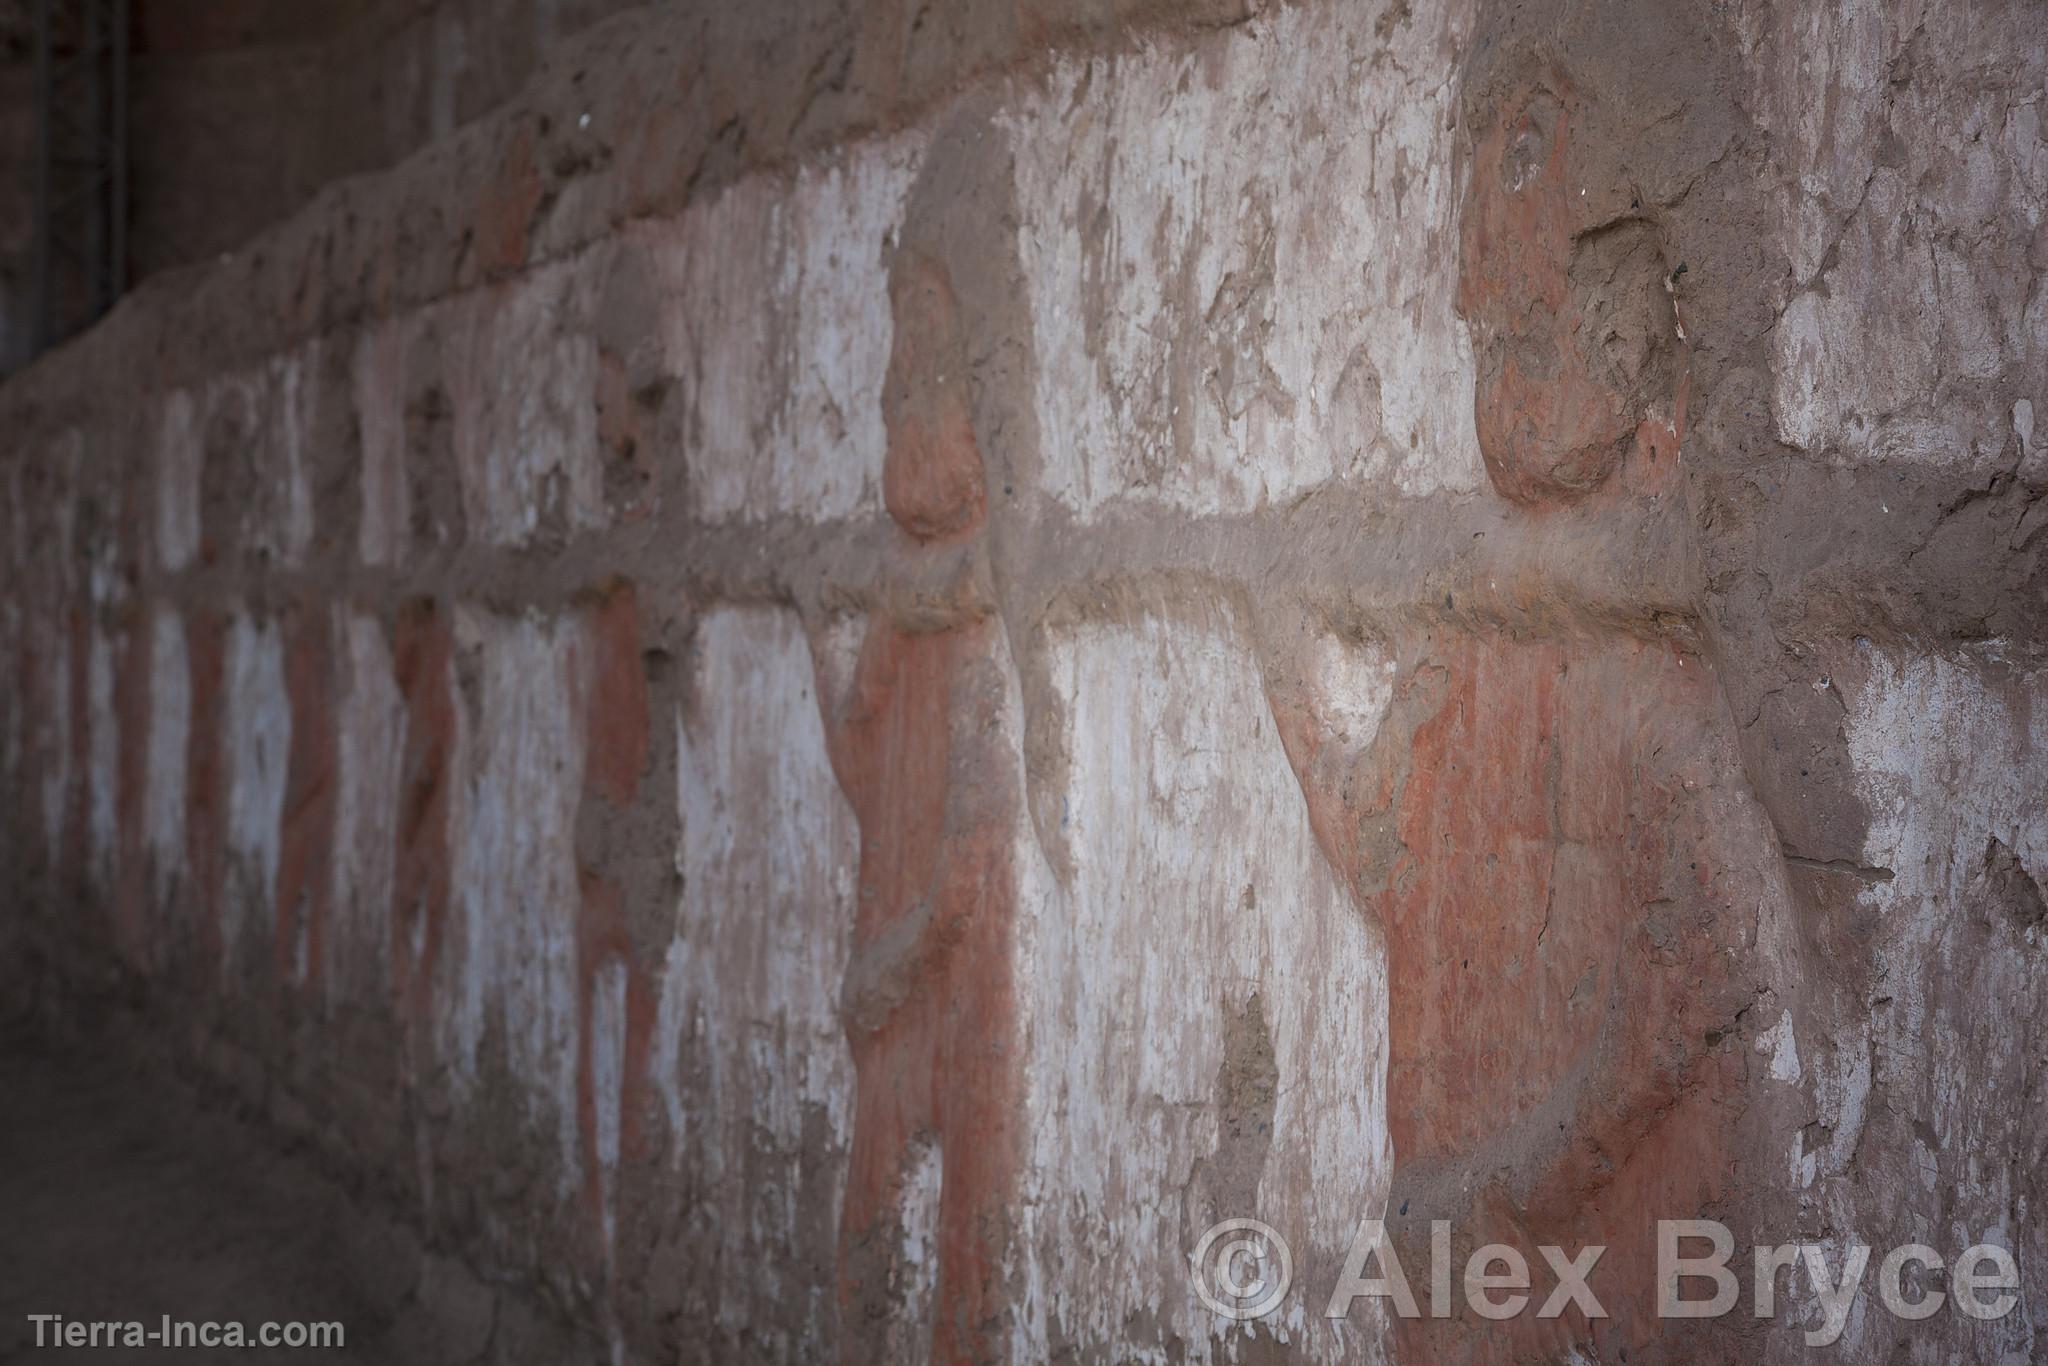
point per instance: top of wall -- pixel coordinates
(632, 117)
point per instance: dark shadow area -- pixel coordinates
(122, 1200)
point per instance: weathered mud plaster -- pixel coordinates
(1235, 258)
(510, 954)
(378, 378)
(103, 772)
(1903, 300)
(523, 368)
(55, 737)
(1426, 610)
(370, 752)
(776, 319)
(170, 718)
(1911, 1126)
(751, 1058)
(178, 458)
(1206, 1012)
(256, 741)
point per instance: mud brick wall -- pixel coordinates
(832, 682)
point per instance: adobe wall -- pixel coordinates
(828, 693)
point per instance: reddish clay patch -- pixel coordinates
(617, 730)
(931, 478)
(504, 216)
(929, 998)
(1573, 333)
(1480, 822)
(1557, 941)
(616, 717)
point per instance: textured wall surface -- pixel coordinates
(827, 693)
